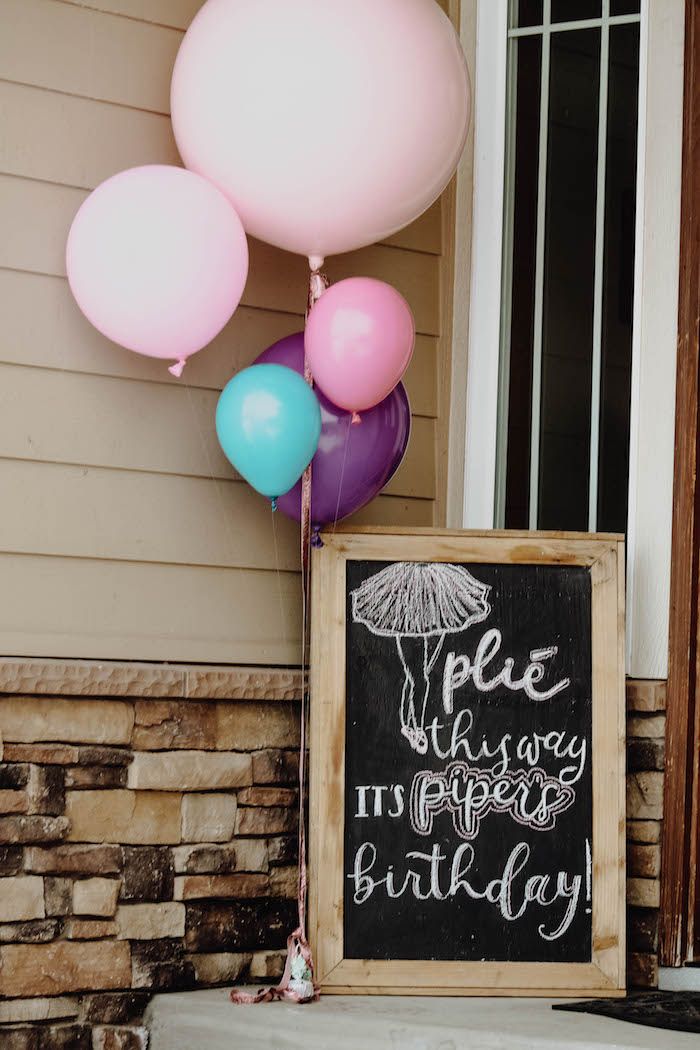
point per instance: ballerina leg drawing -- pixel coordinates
(415, 600)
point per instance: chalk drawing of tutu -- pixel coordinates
(418, 600)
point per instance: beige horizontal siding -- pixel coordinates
(174, 13)
(42, 327)
(405, 512)
(177, 13)
(125, 533)
(143, 611)
(75, 512)
(72, 49)
(277, 280)
(77, 142)
(66, 417)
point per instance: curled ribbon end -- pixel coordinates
(356, 419)
(273, 504)
(297, 984)
(177, 369)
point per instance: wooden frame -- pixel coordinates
(605, 974)
(679, 933)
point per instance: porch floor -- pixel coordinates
(209, 1021)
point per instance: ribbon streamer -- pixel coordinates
(297, 983)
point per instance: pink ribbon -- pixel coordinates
(297, 944)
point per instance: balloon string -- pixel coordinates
(342, 474)
(283, 623)
(291, 987)
(318, 283)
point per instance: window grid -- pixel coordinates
(583, 23)
(545, 30)
(536, 406)
(601, 183)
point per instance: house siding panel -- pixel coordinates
(126, 534)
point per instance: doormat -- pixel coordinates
(679, 1011)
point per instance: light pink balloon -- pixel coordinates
(359, 340)
(329, 124)
(157, 260)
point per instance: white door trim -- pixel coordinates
(487, 247)
(655, 338)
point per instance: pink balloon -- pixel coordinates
(157, 260)
(329, 124)
(359, 341)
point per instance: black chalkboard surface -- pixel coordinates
(467, 763)
(468, 814)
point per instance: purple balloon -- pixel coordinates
(353, 462)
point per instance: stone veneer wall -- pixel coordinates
(646, 728)
(148, 843)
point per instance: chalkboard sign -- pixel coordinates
(467, 763)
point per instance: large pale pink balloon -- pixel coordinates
(157, 260)
(359, 341)
(329, 124)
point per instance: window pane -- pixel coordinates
(526, 144)
(525, 13)
(568, 280)
(564, 201)
(573, 10)
(624, 7)
(618, 286)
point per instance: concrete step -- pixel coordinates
(209, 1021)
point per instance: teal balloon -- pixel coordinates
(268, 422)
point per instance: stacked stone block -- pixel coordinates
(646, 727)
(145, 845)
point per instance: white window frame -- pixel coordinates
(655, 312)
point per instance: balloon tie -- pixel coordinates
(316, 262)
(178, 368)
(356, 419)
(273, 504)
(316, 540)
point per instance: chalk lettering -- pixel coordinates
(532, 798)
(460, 669)
(431, 875)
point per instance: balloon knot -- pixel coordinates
(356, 418)
(316, 540)
(177, 369)
(273, 504)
